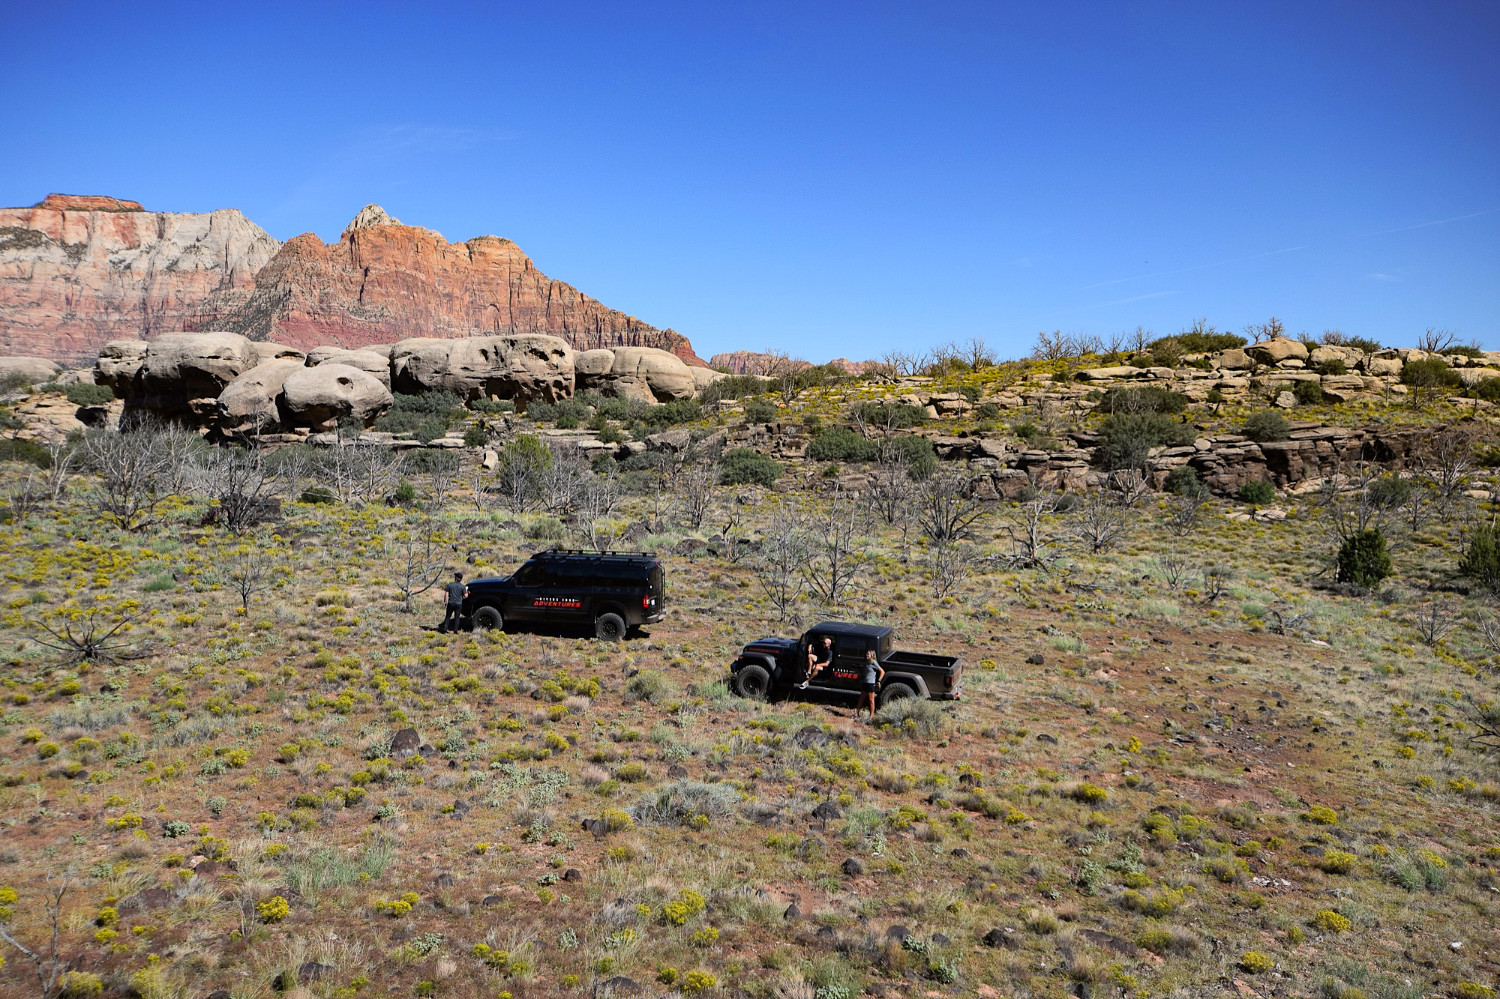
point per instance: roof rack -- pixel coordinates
(592, 554)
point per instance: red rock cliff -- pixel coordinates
(384, 281)
(78, 270)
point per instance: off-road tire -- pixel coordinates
(488, 617)
(752, 682)
(609, 628)
(894, 691)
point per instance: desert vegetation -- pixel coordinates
(1230, 723)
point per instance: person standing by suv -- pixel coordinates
(871, 675)
(456, 592)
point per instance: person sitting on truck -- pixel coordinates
(819, 658)
(455, 592)
(872, 674)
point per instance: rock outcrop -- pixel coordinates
(383, 281)
(526, 368)
(79, 271)
(318, 398)
(641, 373)
(183, 373)
(33, 370)
(248, 404)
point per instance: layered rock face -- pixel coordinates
(77, 272)
(384, 281)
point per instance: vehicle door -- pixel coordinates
(565, 597)
(848, 662)
(526, 588)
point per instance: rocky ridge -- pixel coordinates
(79, 271)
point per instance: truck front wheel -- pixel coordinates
(752, 682)
(895, 692)
(487, 618)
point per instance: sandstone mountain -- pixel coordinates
(77, 272)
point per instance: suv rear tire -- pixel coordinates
(609, 628)
(752, 682)
(488, 618)
(895, 692)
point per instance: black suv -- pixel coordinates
(615, 592)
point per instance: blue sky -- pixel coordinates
(830, 179)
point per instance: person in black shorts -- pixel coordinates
(455, 591)
(871, 675)
(819, 658)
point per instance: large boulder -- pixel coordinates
(34, 370)
(265, 351)
(590, 366)
(525, 367)
(1276, 350)
(704, 377)
(248, 404)
(1232, 359)
(318, 398)
(365, 360)
(118, 362)
(1469, 377)
(647, 374)
(185, 372)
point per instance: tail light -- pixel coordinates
(646, 602)
(948, 681)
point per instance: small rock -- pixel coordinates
(959, 852)
(489, 901)
(617, 986)
(444, 880)
(1050, 740)
(1285, 400)
(826, 811)
(312, 971)
(941, 939)
(572, 874)
(810, 737)
(853, 868)
(897, 932)
(404, 743)
(792, 912)
(1036, 659)
(677, 771)
(999, 938)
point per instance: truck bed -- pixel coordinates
(919, 660)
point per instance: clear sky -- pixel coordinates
(830, 179)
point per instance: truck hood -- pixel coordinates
(772, 646)
(489, 581)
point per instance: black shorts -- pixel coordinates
(871, 687)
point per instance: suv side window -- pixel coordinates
(531, 574)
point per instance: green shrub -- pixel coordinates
(915, 452)
(890, 415)
(1333, 366)
(1308, 393)
(551, 412)
(1125, 439)
(1184, 481)
(90, 395)
(733, 387)
(1488, 390)
(742, 465)
(493, 405)
(1266, 425)
(841, 444)
(1428, 372)
(911, 716)
(760, 410)
(1259, 492)
(1363, 559)
(1142, 399)
(1481, 561)
(1202, 341)
(30, 452)
(1254, 962)
(475, 437)
(670, 414)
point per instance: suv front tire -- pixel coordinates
(488, 618)
(609, 628)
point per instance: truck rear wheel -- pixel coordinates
(487, 617)
(752, 682)
(895, 692)
(609, 627)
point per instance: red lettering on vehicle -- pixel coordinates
(555, 602)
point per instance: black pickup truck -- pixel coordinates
(770, 665)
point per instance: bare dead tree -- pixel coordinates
(1173, 570)
(1139, 338)
(1183, 510)
(778, 566)
(248, 570)
(479, 486)
(24, 498)
(1434, 621)
(1033, 544)
(1436, 341)
(291, 466)
(62, 460)
(731, 531)
(901, 363)
(1446, 461)
(948, 563)
(977, 354)
(1289, 623)
(416, 556)
(948, 509)
(562, 481)
(836, 549)
(441, 468)
(183, 450)
(1488, 626)
(1357, 502)
(695, 489)
(46, 959)
(597, 497)
(238, 479)
(1101, 522)
(1216, 580)
(133, 474)
(1130, 484)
